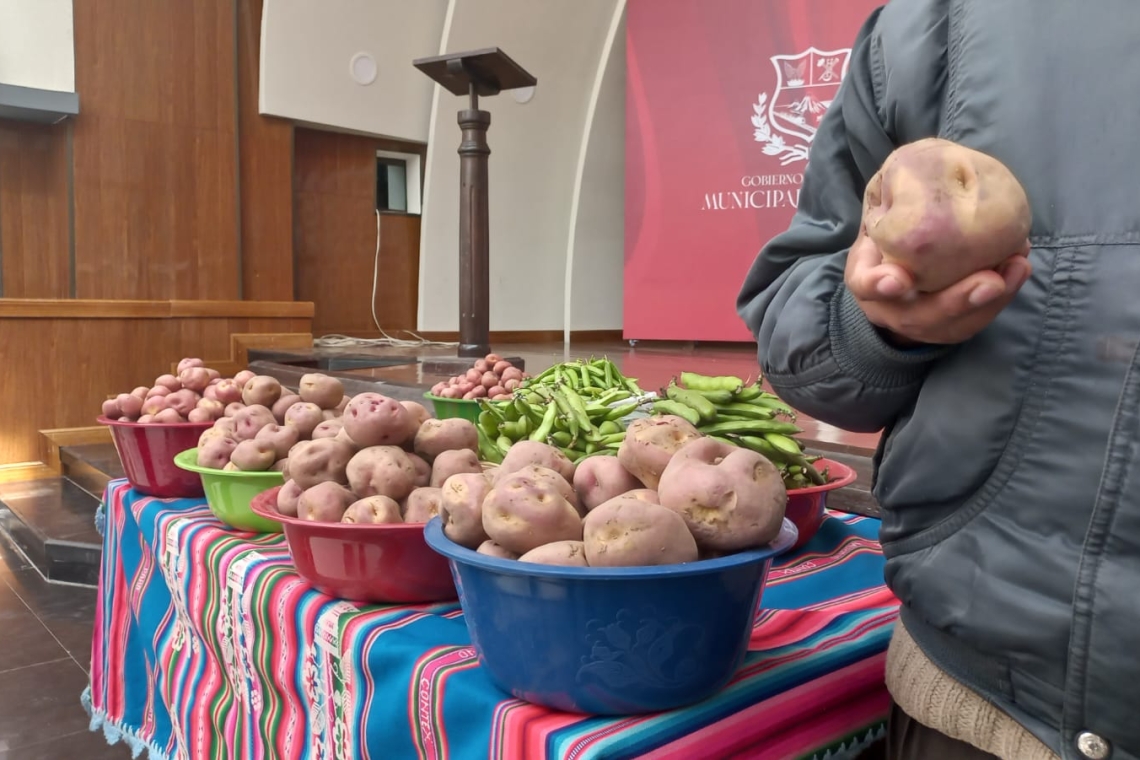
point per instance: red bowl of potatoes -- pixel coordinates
(806, 506)
(383, 563)
(147, 451)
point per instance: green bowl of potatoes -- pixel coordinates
(229, 493)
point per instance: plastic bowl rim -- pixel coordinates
(104, 420)
(847, 476)
(433, 533)
(182, 460)
(256, 505)
(431, 397)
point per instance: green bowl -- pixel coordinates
(446, 408)
(229, 493)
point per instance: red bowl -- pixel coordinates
(147, 453)
(383, 564)
(806, 505)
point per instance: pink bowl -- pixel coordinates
(147, 453)
(806, 505)
(383, 564)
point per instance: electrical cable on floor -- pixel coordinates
(344, 341)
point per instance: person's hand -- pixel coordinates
(887, 295)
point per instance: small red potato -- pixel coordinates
(189, 363)
(525, 453)
(450, 463)
(233, 408)
(523, 512)
(626, 532)
(422, 504)
(381, 471)
(154, 405)
(227, 391)
(146, 419)
(650, 443)
(281, 465)
(111, 409)
(437, 436)
(212, 407)
(328, 429)
(324, 502)
(313, 462)
(423, 470)
(322, 390)
(281, 405)
(169, 416)
(280, 437)
(305, 417)
(262, 390)
(194, 378)
(158, 390)
(418, 412)
(170, 382)
(461, 509)
(375, 510)
(287, 498)
(215, 432)
(561, 553)
(731, 498)
(253, 456)
(599, 479)
(197, 414)
(140, 392)
(215, 452)
(251, 419)
(244, 377)
(129, 405)
(182, 401)
(375, 420)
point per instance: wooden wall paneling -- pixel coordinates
(265, 150)
(334, 241)
(155, 150)
(35, 235)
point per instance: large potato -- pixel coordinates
(491, 549)
(381, 471)
(281, 405)
(645, 494)
(417, 411)
(253, 456)
(731, 498)
(375, 420)
(288, 497)
(305, 417)
(324, 502)
(541, 474)
(943, 211)
(628, 532)
(423, 470)
(422, 504)
(262, 390)
(563, 553)
(374, 510)
(313, 462)
(322, 390)
(650, 443)
(450, 463)
(526, 453)
(523, 512)
(437, 436)
(461, 509)
(599, 479)
(328, 429)
(249, 420)
(215, 452)
(280, 437)
(183, 401)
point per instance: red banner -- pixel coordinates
(723, 98)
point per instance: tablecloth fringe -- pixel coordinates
(114, 732)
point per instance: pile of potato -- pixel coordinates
(196, 393)
(671, 496)
(389, 464)
(258, 431)
(490, 377)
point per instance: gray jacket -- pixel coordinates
(1009, 471)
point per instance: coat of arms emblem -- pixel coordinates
(806, 83)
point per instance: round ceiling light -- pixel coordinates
(363, 69)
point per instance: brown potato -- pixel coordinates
(626, 532)
(461, 509)
(322, 390)
(287, 498)
(450, 463)
(215, 452)
(262, 390)
(253, 456)
(313, 462)
(374, 510)
(491, 549)
(524, 453)
(422, 504)
(250, 420)
(280, 437)
(650, 443)
(601, 478)
(523, 512)
(437, 436)
(305, 417)
(328, 429)
(375, 420)
(382, 471)
(324, 502)
(562, 553)
(281, 405)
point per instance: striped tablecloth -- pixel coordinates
(208, 645)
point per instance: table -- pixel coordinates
(208, 645)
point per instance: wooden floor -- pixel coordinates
(651, 364)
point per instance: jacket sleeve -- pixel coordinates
(817, 348)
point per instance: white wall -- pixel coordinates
(307, 47)
(37, 47)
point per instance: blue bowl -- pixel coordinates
(613, 641)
